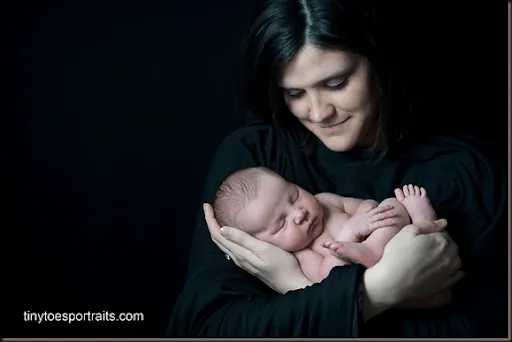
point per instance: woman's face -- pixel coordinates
(331, 93)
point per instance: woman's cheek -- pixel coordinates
(298, 108)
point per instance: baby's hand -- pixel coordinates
(381, 217)
(365, 221)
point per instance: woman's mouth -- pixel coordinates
(335, 127)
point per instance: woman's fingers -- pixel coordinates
(243, 239)
(214, 228)
(240, 255)
(454, 279)
(455, 265)
(240, 244)
(226, 251)
(211, 222)
(238, 258)
(428, 227)
(452, 249)
(228, 236)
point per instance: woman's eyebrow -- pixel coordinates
(335, 75)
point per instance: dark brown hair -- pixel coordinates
(279, 28)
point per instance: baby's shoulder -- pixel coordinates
(330, 200)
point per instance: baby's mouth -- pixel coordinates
(311, 227)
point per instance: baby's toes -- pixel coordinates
(406, 190)
(399, 194)
(411, 190)
(423, 192)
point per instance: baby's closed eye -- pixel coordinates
(279, 225)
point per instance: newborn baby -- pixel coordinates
(316, 228)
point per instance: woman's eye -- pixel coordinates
(337, 84)
(294, 94)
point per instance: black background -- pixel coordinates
(112, 113)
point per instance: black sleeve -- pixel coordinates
(221, 300)
(475, 204)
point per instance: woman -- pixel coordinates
(329, 119)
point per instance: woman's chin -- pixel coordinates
(339, 143)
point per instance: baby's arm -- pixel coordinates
(314, 266)
(310, 262)
(347, 204)
(366, 215)
(370, 251)
(369, 216)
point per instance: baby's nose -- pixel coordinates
(300, 216)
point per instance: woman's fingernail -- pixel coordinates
(223, 231)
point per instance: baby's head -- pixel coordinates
(265, 205)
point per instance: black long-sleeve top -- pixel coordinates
(221, 300)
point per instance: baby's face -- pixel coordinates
(282, 214)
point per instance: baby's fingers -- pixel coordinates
(383, 223)
(327, 244)
(377, 215)
(335, 252)
(332, 246)
(380, 209)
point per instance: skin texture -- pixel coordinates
(331, 94)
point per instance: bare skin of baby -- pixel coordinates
(320, 228)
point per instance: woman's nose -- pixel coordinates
(320, 109)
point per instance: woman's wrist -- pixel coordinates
(376, 300)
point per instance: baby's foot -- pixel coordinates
(352, 252)
(416, 201)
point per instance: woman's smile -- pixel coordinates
(336, 128)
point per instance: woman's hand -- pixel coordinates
(277, 268)
(421, 261)
(439, 299)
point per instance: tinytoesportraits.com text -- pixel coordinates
(70, 317)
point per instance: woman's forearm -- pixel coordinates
(375, 300)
